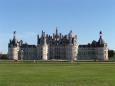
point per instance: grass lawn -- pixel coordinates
(57, 74)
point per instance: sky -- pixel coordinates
(84, 17)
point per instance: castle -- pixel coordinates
(57, 47)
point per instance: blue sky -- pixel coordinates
(29, 17)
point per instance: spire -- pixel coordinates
(14, 41)
(14, 35)
(42, 33)
(100, 33)
(56, 31)
(44, 41)
(71, 31)
(38, 39)
(71, 34)
(101, 41)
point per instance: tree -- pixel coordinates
(111, 53)
(3, 56)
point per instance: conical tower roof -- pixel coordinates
(101, 41)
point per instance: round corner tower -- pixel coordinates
(42, 47)
(13, 48)
(102, 49)
(72, 47)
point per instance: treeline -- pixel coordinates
(111, 53)
(4, 56)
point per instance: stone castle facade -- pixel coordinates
(97, 50)
(57, 47)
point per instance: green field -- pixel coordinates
(57, 74)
